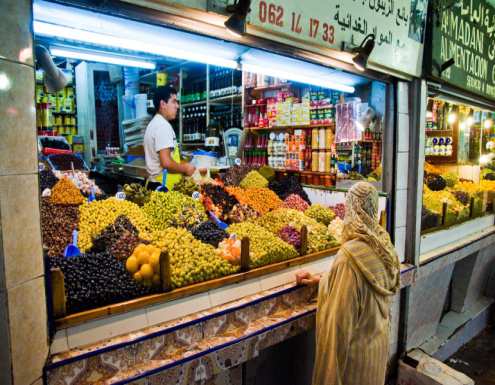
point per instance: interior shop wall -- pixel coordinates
(23, 326)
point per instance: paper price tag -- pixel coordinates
(120, 195)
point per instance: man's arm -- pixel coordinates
(172, 166)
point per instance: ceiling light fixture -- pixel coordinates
(236, 23)
(58, 31)
(364, 50)
(101, 57)
(297, 77)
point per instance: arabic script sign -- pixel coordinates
(398, 26)
(466, 33)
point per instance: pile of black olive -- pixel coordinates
(96, 279)
(210, 233)
(47, 179)
(288, 185)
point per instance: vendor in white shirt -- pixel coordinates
(160, 144)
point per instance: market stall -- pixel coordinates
(283, 135)
(458, 188)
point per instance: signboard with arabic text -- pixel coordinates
(466, 33)
(398, 26)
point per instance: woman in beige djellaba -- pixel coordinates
(353, 321)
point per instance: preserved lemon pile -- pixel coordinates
(319, 238)
(170, 209)
(95, 216)
(191, 261)
(264, 247)
(144, 265)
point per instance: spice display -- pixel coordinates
(321, 214)
(230, 250)
(144, 264)
(318, 236)
(81, 180)
(235, 174)
(336, 228)
(288, 185)
(186, 186)
(265, 247)
(96, 279)
(66, 193)
(254, 180)
(339, 210)
(47, 179)
(216, 199)
(241, 213)
(451, 178)
(173, 209)
(95, 216)
(66, 162)
(290, 235)
(137, 193)
(210, 233)
(57, 224)
(294, 201)
(191, 261)
(260, 199)
(435, 182)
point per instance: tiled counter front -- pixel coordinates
(193, 349)
(205, 347)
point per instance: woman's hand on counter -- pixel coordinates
(305, 278)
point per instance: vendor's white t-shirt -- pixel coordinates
(159, 135)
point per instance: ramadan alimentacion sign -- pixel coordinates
(465, 32)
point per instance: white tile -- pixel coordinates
(235, 291)
(103, 329)
(403, 97)
(403, 133)
(400, 242)
(179, 308)
(60, 342)
(402, 170)
(279, 278)
(400, 208)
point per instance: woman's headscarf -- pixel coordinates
(361, 222)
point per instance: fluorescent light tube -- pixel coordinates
(57, 31)
(317, 80)
(101, 57)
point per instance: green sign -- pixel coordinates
(465, 32)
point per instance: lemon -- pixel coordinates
(138, 276)
(142, 256)
(132, 265)
(146, 271)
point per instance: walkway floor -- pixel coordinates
(477, 358)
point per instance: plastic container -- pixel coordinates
(204, 159)
(141, 103)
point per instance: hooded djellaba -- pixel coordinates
(353, 321)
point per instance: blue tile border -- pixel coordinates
(172, 329)
(213, 350)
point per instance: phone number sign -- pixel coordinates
(398, 26)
